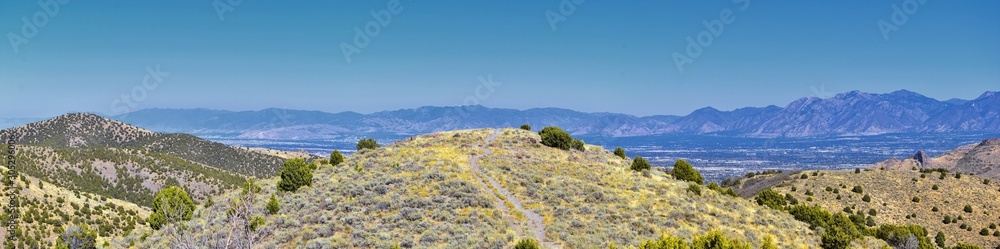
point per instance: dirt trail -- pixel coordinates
(535, 222)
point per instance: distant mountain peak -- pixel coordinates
(986, 95)
(708, 109)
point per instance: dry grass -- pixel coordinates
(422, 193)
(892, 193)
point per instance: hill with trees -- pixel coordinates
(952, 207)
(88, 153)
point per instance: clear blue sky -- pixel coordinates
(606, 56)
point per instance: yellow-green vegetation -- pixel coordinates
(957, 208)
(438, 191)
(711, 240)
(46, 211)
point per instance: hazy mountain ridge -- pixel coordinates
(852, 113)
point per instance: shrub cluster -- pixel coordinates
(367, 143)
(712, 240)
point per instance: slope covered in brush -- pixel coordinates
(489, 189)
(962, 208)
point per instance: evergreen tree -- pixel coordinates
(620, 153)
(367, 143)
(294, 174)
(171, 205)
(336, 158)
(939, 239)
(526, 127)
(684, 171)
(557, 138)
(640, 164)
(272, 205)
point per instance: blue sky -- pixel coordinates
(604, 56)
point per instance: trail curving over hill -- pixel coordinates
(535, 223)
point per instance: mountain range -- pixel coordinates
(851, 113)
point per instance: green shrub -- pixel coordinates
(915, 199)
(684, 171)
(958, 175)
(985, 181)
(694, 188)
(857, 189)
(939, 239)
(367, 143)
(771, 199)
(716, 240)
(294, 174)
(768, 243)
(839, 233)
(857, 170)
(272, 205)
(526, 127)
(934, 209)
(866, 198)
(791, 199)
(336, 157)
(967, 209)
(935, 187)
(556, 138)
(965, 246)
(170, 205)
(815, 216)
(579, 145)
(947, 219)
(640, 164)
(526, 244)
(804, 176)
(984, 232)
(620, 153)
(665, 242)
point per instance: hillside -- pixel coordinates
(851, 113)
(92, 154)
(47, 209)
(488, 189)
(981, 159)
(892, 196)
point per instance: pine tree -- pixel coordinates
(620, 153)
(272, 205)
(336, 158)
(684, 171)
(640, 164)
(294, 174)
